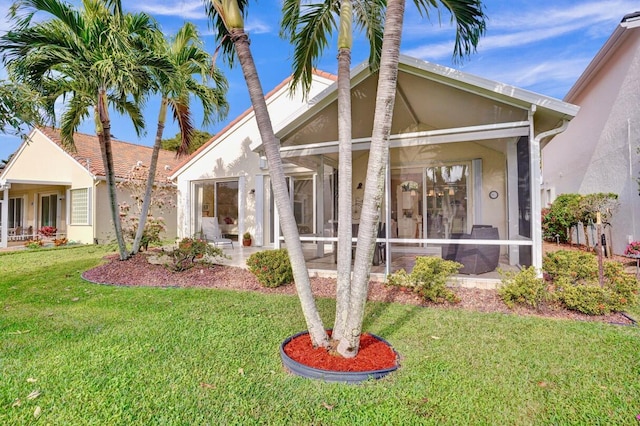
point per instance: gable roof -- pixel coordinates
(246, 115)
(474, 97)
(126, 155)
(623, 31)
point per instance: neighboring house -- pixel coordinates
(464, 151)
(599, 150)
(48, 184)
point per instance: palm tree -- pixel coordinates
(470, 25)
(308, 29)
(228, 17)
(189, 58)
(19, 105)
(96, 56)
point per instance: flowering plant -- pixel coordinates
(633, 249)
(47, 231)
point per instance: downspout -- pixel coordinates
(536, 199)
(632, 188)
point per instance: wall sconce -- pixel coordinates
(359, 185)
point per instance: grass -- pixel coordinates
(146, 356)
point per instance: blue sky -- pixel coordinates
(541, 46)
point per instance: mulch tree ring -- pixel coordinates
(375, 359)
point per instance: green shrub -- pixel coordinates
(619, 290)
(523, 288)
(191, 251)
(572, 264)
(590, 299)
(272, 268)
(428, 279)
(560, 217)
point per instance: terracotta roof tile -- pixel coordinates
(125, 155)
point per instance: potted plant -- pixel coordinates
(246, 239)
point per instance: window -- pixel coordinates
(15, 212)
(79, 206)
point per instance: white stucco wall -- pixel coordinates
(230, 156)
(599, 150)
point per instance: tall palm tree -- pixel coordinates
(96, 56)
(308, 28)
(470, 26)
(189, 59)
(228, 18)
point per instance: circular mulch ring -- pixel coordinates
(375, 359)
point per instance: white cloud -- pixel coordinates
(256, 26)
(528, 26)
(193, 9)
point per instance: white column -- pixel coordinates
(513, 226)
(259, 206)
(536, 205)
(4, 216)
(319, 203)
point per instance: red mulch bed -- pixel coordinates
(374, 354)
(137, 271)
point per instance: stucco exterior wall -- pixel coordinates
(230, 156)
(599, 150)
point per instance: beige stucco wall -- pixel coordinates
(598, 151)
(42, 168)
(104, 231)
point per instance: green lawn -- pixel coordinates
(144, 356)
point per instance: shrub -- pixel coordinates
(523, 287)
(585, 295)
(60, 242)
(590, 299)
(272, 268)
(33, 244)
(428, 279)
(572, 264)
(191, 251)
(560, 217)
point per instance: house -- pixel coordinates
(48, 184)
(464, 151)
(599, 151)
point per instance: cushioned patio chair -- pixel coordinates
(475, 258)
(211, 232)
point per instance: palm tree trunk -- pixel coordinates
(153, 165)
(272, 150)
(107, 159)
(374, 188)
(345, 185)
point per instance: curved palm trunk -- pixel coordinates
(107, 159)
(345, 171)
(272, 150)
(153, 165)
(374, 189)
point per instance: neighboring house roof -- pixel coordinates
(247, 114)
(628, 23)
(125, 155)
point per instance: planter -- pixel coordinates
(351, 377)
(246, 243)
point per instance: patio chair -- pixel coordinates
(475, 258)
(211, 232)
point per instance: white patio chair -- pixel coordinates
(211, 232)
